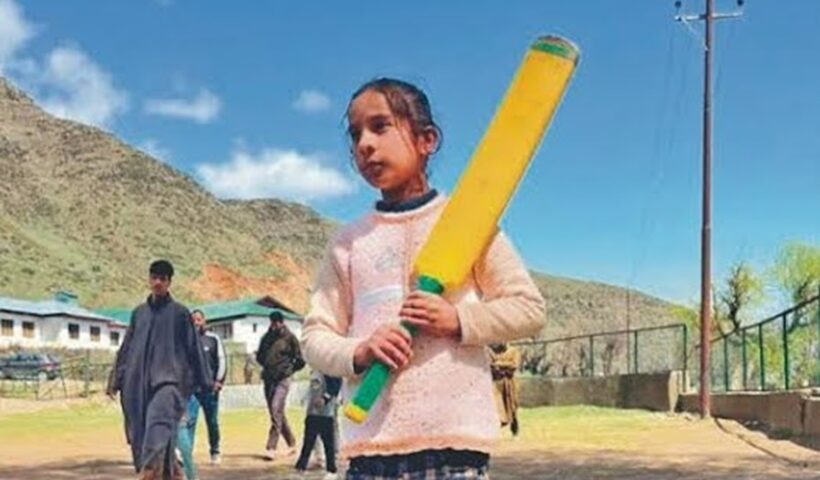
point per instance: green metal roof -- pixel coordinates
(119, 315)
(64, 303)
(241, 308)
(214, 312)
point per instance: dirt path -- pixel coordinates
(576, 445)
(511, 464)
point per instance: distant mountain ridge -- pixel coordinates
(81, 210)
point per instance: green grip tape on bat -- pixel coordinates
(378, 374)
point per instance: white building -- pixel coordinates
(59, 322)
(246, 321)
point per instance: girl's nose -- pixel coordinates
(365, 147)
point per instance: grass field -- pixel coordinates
(86, 441)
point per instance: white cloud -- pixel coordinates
(275, 173)
(67, 83)
(153, 148)
(15, 31)
(311, 101)
(202, 109)
(71, 85)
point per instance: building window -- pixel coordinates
(224, 330)
(7, 328)
(95, 334)
(28, 329)
(73, 331)
(254, 328)
(115, 338)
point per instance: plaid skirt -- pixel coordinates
(425, 465)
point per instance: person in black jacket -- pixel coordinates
(280, 357)
(159, 365)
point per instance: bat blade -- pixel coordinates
(501, 159)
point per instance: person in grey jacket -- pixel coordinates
(322, 404)
(214, 353)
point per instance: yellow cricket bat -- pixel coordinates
(470, 219)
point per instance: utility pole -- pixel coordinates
(706, 226)
(628, 325)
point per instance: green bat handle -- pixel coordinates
(378, 374)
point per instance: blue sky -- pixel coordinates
(248, 97)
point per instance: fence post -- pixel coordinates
(635, 359)
(761, 357)
(87, 374)
(743, 358)
(628, 352)
(726, 363)
(786, 351)
(685, 356)
(592, 355)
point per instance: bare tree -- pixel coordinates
(742, 291)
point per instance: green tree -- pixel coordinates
(796, 273)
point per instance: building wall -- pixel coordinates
(54, 332)
(242, 330)
(17, 337)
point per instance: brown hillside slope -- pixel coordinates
(80, 209)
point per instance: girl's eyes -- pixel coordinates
(379, 126)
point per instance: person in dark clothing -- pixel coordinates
(215, 358)
(322, 404)
(159, 365)
(280, 357)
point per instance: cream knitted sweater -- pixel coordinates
(444, 397)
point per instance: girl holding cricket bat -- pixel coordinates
(436, 418)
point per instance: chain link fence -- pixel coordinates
(643, 350)
(85, 373)
(781, 352)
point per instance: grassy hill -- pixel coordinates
(82, 210)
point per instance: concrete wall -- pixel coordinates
(811, 416)
(253, 396)
(658, 391)
(794, 411)
(647, 391)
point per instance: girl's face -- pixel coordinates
(388, 155)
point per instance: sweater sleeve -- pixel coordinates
(511, 306)
(325, 344)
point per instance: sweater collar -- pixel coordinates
(407, 205)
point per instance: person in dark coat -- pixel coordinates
(280, 357)
(159, 365)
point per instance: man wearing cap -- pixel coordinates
(280, 357)
(159, 365)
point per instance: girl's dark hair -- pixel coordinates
(406, 101)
